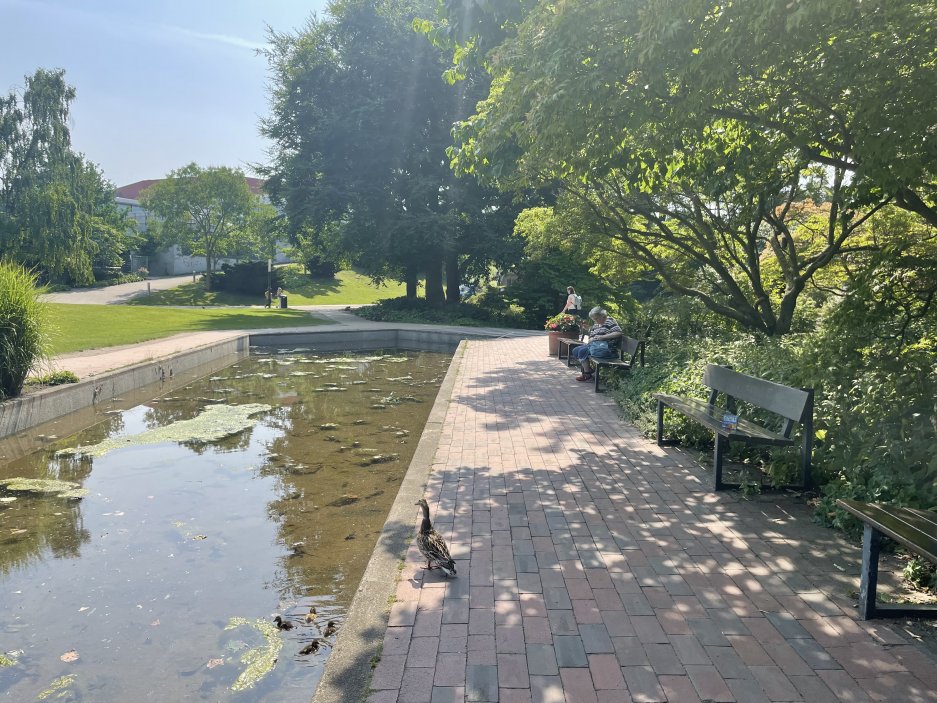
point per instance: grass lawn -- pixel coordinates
(80, 327)
(347, 288)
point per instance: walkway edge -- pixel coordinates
(347, 673)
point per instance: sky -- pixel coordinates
(159, 84)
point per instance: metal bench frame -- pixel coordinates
(914, 529)
(795, 405)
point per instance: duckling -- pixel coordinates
(330, 629)
(311, 648)
(431, 544)
(311, 615)
(282, 624)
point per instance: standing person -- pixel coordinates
(604, 342)
(268, 297)
(573, 302)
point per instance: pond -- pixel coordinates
(151, 557)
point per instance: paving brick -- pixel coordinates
(709, 684)
(481, 683)
(417, 685)
(679, 688)
(643, 684)
(389, 672)
(606, 672)
(595, 638)
(546, 689)
(569, 651)
(577, 685)
(541, 660)
(512, 671)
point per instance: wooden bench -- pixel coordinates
(914, 529)
(794, 405)
(628, 352)
(568, 345)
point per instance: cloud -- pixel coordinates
(228, 39)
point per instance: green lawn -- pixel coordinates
(347, 288)
(80, 327)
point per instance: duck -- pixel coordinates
(311, 615)
(431, 544)
(330, 629)
(282, 624)
(310, 648)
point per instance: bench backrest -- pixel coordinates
(795, 404)
(629, 349)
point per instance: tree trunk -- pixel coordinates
(410, 278)
(208, 262)
(453, 278)
(434, 292)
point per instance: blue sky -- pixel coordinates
(160, 84)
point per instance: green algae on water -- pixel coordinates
(260, 660)
(6, 661)
(64, 489)
(57, 688)
(214, 423)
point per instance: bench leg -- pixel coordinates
(868, 581)
(660, 424)
(718, 452)
(598, 369)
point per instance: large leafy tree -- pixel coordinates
(695, 132)
(57, 211)
(360, 123)
(207, 211)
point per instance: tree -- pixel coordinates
(57, 211)
(360, 120)
(205, 210)
(700, 193)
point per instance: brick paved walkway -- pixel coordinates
(595, 566)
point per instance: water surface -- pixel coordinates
(128, 591)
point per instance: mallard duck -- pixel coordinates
(311, 615)
(431, 544)
(282, 624)
(330, 629)
(310, 648)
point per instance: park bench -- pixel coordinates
(629, 350)
(566, 346)
(914, 529)
(794, 405)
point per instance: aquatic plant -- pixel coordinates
(57, 687)
(64, 489)
(259, 660)
(212, 424)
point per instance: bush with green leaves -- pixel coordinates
(249, 277)
(23, 327)
(56, 378)
(420, 311)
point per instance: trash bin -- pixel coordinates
(283, 302)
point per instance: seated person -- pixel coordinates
(604, 341)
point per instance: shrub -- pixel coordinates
(418, 310)
(249, 278)
(23, 326)
(56, 378)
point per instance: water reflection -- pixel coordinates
(142, 576)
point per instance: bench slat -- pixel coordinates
(711, 417)
(782, 400)
(904, 525)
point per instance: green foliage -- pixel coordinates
(360, 122)
(56, 378)
(57, 212)
(920, 573)
(419, 311)
(23, 327)
(208, 211)
(249, 278)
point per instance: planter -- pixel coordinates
(554, 340)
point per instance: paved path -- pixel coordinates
(596, 567)
(115, 295)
